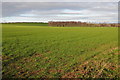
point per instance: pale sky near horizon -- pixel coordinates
(60, 11)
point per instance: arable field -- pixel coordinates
(40, 51)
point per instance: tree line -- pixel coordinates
(81, 24)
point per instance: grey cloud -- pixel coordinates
(16, 8)
(46, 10)
(60, 0)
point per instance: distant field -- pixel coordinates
(40, 51)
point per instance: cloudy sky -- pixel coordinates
(60, 11)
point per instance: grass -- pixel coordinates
(40, 51)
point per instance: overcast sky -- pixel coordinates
(60, 0)
(60, 11)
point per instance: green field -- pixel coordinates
(40, 51)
